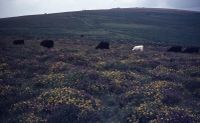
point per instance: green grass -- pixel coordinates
(150, 25)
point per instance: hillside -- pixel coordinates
(73, 82)
(131, 24)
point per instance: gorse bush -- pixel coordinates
(73, 82)
(51, 101)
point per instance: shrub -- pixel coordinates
(196, 93)
(175, 116)
(147, 111)
(64, 114)
(171, 96)
(78, 60)
(114, 66)
(193, 71)
(135, 97)
(58, 66)
(49, 80)
(69, 96)
(90, 81)
(55, 103)
(192, 85)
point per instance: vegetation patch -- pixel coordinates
(75, 82)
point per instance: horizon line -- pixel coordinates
(178, 9)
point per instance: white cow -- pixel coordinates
(138, 48)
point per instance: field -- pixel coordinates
(73, 82)
(130, 24)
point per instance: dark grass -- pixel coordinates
(134, 24)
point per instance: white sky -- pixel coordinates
(9, 8)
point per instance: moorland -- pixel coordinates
(74, 82)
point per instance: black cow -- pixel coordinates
(82, 36)
(191, 50)
(47, 43)
(18, 42)
(175, 49)
(103, 45)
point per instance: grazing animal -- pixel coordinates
(191, 50)
(18, 42)
(175, 49)
(103, 45)
(47, 43)
(138, 48)
(81, 36)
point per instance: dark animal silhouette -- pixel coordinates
(82, 36)
(175, 49)
(47, 43)
(103, 45)
(191, 50)
(18, 42)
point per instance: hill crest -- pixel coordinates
(129, 24)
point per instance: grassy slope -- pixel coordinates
(74, 82)
(152, 25)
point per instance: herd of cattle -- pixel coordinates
(184, 50)
(45, 43)
(105, 45)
